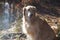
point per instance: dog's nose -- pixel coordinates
(30, 14)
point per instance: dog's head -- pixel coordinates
(29, 12)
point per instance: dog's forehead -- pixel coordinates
(29, 7)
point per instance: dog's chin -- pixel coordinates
(28, 17)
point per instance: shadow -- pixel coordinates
(48, 7)
(49, 11)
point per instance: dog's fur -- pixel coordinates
(36, 28)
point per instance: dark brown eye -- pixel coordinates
(28, 9)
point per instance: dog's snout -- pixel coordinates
(30, 14)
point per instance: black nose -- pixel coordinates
(31, 15)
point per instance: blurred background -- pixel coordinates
(11, 15)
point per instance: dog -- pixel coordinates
(34, 27)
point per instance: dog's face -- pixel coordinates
(29, 12)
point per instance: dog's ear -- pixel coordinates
(36, 13)
(39, 16)
(34, 10)
(24, 11)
